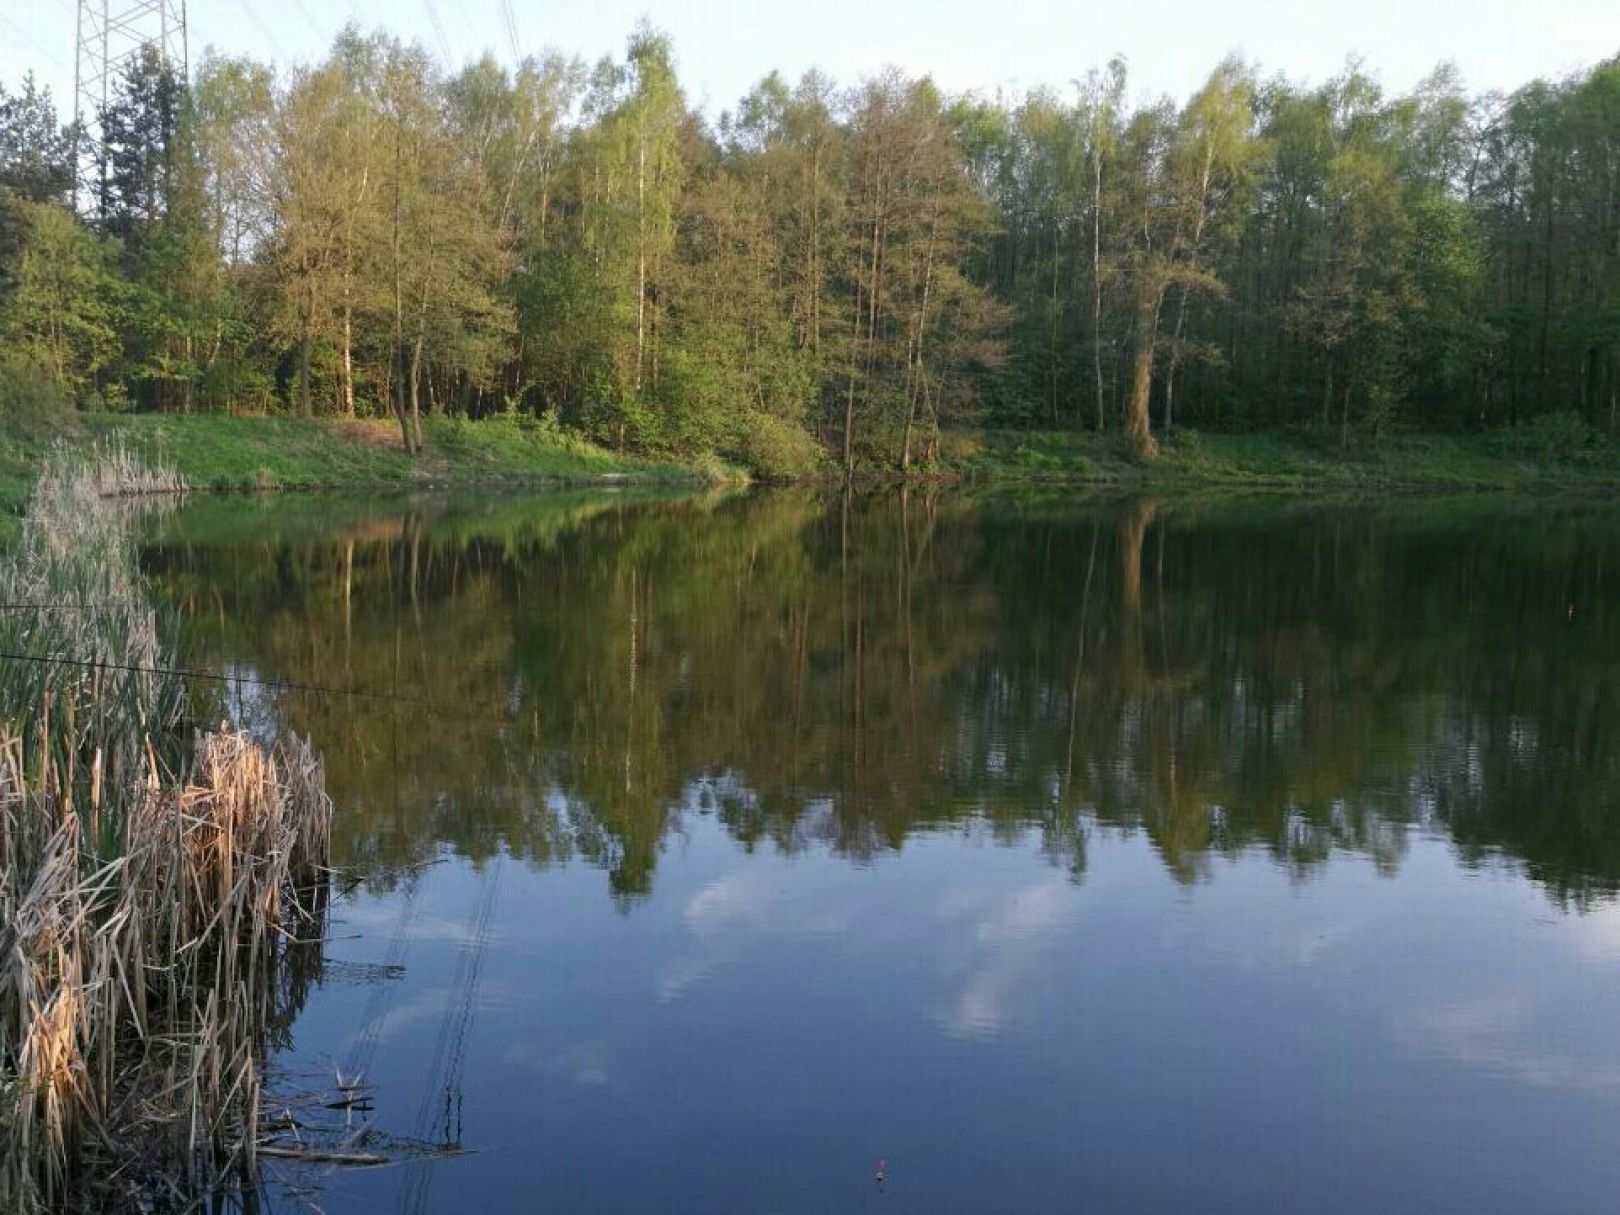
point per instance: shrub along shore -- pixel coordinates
(282, 453)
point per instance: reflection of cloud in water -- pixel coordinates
(686, 972)
(1006, 934)
(998, 936)
(1597, 933)
(1313, 936)
(737, 900)
(1548, 1034)
(757, 900)
(720, 915)
(378, 921)
(423, 1006)
(586, 1063)
(744, 905)
(1508, 1035)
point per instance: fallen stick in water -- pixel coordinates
(316, 1156)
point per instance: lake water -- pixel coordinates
(1040, 852)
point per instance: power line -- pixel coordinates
(428, 707)
(263, 29)
(32, 41)
(438, 29)
(277, 685)
(439, 1113)
(511, 30)
(309, 19)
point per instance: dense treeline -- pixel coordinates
(823, 269)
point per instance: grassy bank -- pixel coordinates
(271, 453)
(229, 453)
(1295, 462)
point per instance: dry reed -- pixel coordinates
(161, 901)
(122, 472)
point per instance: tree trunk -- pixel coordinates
(1056, 232)
(849, 400)
(914, 385)
(1614, 393)
(1175, 362)
(1181, 309)
(641, 257)
(397, 333)
(305, 406)
(416, 393)
(1138, 425)
(854, 359)
(1096, 284)
(303, 376)
(401, 409)
(348, 358)
(911, 417)
(815, 247)
(347, 372)
(1344, 414)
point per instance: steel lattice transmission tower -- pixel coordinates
(111, 34)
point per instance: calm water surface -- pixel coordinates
(1061, 854)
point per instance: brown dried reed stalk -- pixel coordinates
(155, 896)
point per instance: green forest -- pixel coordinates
(824, 272)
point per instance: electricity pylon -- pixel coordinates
(111, 34)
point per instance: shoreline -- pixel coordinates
(276, 455)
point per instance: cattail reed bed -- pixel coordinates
(162, 896)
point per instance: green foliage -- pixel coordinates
(700, 399)
(34, 416)
(63, 306)
(36, 150)
(1296, 460)
(775, 450)
(31, 397)
(1562, 435)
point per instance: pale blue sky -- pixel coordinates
(723, 46)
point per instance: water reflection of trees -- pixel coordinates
(845, 672)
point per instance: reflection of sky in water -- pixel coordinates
(249, 702)
(760, 1030)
